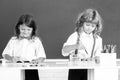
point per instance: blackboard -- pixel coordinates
(56, 21)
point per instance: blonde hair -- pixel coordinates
(92, 16)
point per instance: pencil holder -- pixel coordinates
(108, 59)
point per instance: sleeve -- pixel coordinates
(9, 47)
(99, 48)
(70, 41)
(40, 52)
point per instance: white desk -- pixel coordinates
(95, 71)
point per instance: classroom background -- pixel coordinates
(56, 21)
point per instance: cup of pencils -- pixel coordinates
(109, 49)
(108, 55)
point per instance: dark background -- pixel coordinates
(56, 20)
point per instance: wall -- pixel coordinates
(56, 20)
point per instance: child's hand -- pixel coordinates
(34, 61)
(97, 59)
(90, 59)
(16, 58)
(39, 60)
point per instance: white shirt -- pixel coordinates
(24, 48)
(87, 41)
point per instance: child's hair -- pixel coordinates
(92, 16)
(28, 20)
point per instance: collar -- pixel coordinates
(83, 34)
(27, 38)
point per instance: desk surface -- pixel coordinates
(58, 63)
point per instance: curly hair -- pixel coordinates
(92, 16)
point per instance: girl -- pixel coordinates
(85, 42)
(86, 37)
(25, 45)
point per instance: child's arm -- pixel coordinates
(11, 58)
(69, 48)
(38, 60)
(40, 52)
(99, 47)
(8, 51)
(98, 51)
(71, 45)
(41, 59)
(8, 57)
(66, 50)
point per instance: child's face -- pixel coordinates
(89, 27)
(25, 31)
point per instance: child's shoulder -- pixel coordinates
(74, 34)
(98, 37)
(36, 38)
(13, 38)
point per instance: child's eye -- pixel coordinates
(29, 29)
(22, 29)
